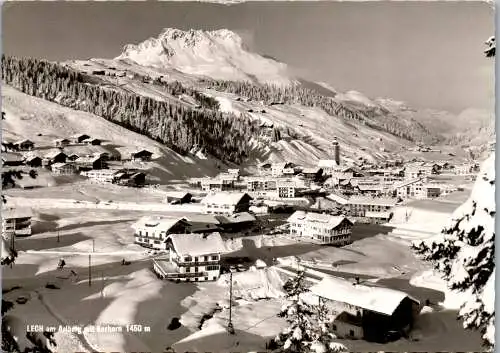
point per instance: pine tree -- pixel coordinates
(308, 330)
(464, 254)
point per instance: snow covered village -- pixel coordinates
(191, 194)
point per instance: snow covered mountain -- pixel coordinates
(464, 253)
(219, 54)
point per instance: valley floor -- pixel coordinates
(123, 295)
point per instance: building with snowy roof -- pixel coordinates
(152, 232)
(191, 257)
(320, 228)
(361, 206)
(375, 311)
(329, 166)
(226, 203)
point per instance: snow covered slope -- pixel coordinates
(42, 122)
(219, 54)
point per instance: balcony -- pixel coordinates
(197, 263)
(168, 270)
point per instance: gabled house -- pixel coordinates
(226, 203)
(141, 155)
(313, 174)
(191, 257)
(132, 179)
(412, 188)
(152, 232)
(24, 145)
(79, 138)
(61, 142)
(374, 210)
(320, 228)
(90, 162)
(33, 161)
(178, 197)
(372, 312)
(54, 157)
(16, 221)
(11, 159)
(63, 168)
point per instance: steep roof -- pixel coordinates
(54, 154)
(342, 199)
(225, 198)
(198, 244)
(331, 221)
(157, 222)
(376, 299)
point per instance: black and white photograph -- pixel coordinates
(262, 176)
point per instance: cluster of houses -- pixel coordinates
(67, 159)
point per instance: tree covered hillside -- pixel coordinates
(375, 117)
(174, 124)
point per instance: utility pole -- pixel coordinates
(102, 285)
(90, 271)
(230, 327)
(93, 245)
(58, 240)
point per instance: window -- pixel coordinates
(205, 258)
(196, 259)
(188, 269)
(196, 269)
(351, 333)
(188, 258)
(334, 327)
(214, 257)
(206, 278)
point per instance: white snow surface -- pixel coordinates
(254, 285)
(219, 54)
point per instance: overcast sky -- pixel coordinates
(429, 54)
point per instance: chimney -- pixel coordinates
(336, 150)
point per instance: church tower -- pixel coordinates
(336, 150)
